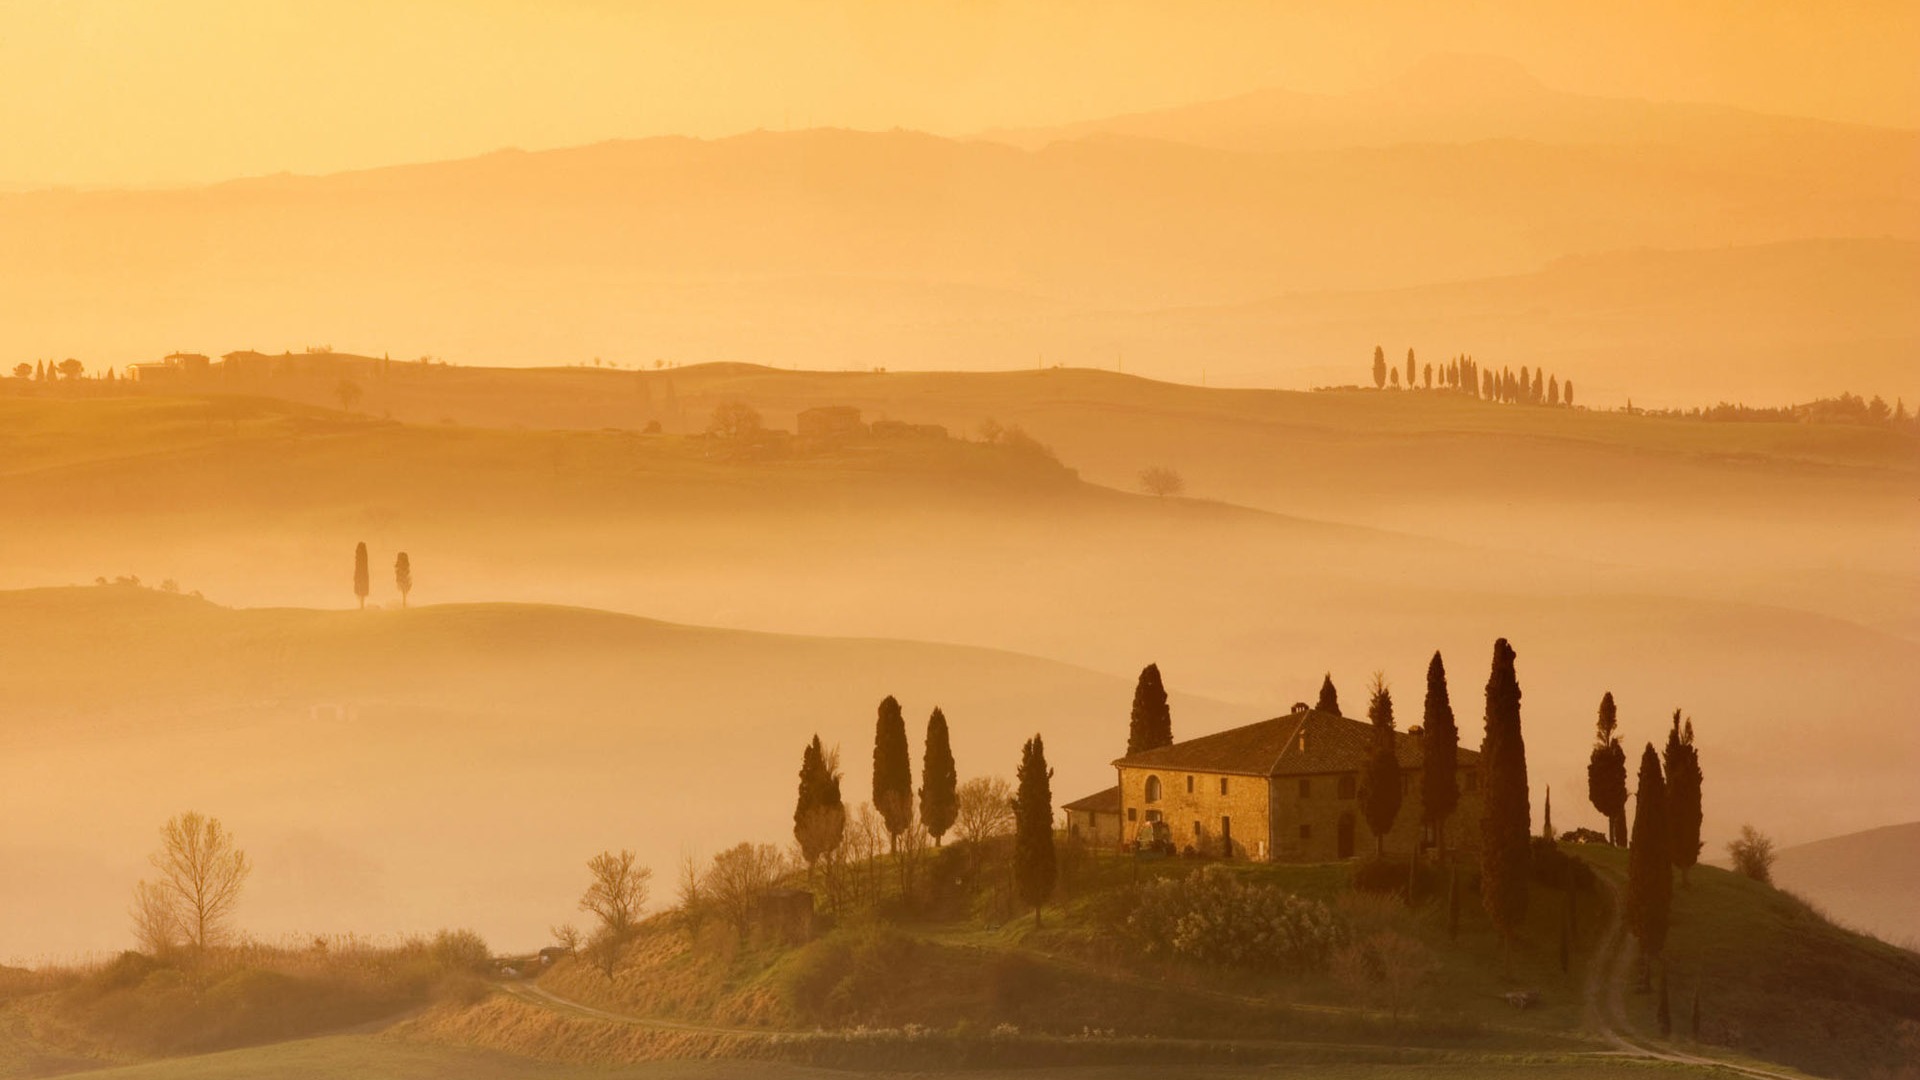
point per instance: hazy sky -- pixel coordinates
(136, 92)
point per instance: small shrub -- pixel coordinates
(461, 950)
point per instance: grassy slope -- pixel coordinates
(1777, 981)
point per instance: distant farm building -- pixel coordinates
(1284, 789)
(830, 422)
(172, 366)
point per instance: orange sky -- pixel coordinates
(134, 92)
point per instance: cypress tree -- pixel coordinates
(1151, 726)
(819, 817)
(1439, 755)
(1505, 819)
(1329, 697)
(1034, 869)
(892, 772)
(1607, 773)
(939, 782)
(1379, 368)
(1683, 797)
(1410, 371)
(1380, 780)
(403, 576)
(1566, 393)
(1649, 862)
(361, 583)
(1546, 817)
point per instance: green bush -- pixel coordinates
(1213, 916)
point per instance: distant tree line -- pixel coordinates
(1463, 375)
(1845, 409)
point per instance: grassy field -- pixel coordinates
(376, 1058)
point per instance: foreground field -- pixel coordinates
(377, 1058)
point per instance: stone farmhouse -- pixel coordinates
(1284, 789)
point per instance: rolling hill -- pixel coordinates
(836, 249)
(396, 772)
(1867, 879)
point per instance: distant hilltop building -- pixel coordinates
(171, 366)
(1285, 789)
(829, 422)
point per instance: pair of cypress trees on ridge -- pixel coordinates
(819, 818)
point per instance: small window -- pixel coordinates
(1133, 814)
(1223, 785)
(1153, 789)
(1196, 830)
(1189, 785)
(1306, 788)
(1306, 831)
(1153, 815)
(1346, 787)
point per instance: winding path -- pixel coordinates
(1605, 992)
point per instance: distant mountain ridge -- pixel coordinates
(1443, 99)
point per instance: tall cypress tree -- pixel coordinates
(403, 576)
(1650, 860)
(1034, 869)
(1684, 812)
(1410, 371)
(362, 583)
(892, 772)
(1329, 697)
(1505, 821)
(1439, 755)
(1151, 725)
(939, 782)
(1380, 781)
(1379, 368)
(1607, 773)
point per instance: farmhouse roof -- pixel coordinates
(1299, 744)
(1102, 802)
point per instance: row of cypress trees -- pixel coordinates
(1462, 374)
(820, 813)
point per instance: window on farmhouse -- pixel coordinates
(1306, 788)
(1346, 787)
(1133, 813)
(1223, 785)
(1153, 789)
(1189, 785)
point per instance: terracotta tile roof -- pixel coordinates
(1104, 802)
(1275, 747)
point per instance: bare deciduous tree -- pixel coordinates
(201, 877)
(738, 878)
(1752, 854)
(618, 891)
(986, 809)
(1161, 481)
(156, 920)
(734, 420)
